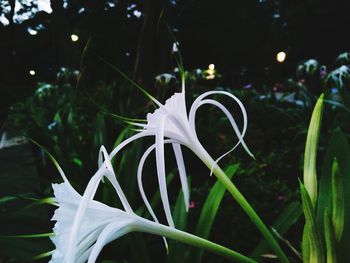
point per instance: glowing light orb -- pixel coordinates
(281, 56)
(74, 38)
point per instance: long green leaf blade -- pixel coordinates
(330, 238)
(316, 254)
(310, 155)
(305, 245)
(338, 148)
(338, 215)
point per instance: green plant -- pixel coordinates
(325, 206)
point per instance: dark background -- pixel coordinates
(240, 37)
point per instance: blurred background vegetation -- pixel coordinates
(60, 85)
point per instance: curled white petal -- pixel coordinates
(199, 102)
(234, 126)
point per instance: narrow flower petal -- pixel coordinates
(199, 102)
(85, 256)
(139, 182)
(182, 173)
(194, 106)
(96, 216)
(112, 178)
(111, 232)
(233, 124)
(161, 171)
(89, 193)
(87, 242)
(129, 140)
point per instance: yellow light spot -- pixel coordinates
(281, 56)
(32, 72)
(211, 67)
(210, 77)
(74, 38)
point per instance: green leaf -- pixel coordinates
(22, 249)
(305, 245)
(6, 199)
(177, 250)
(149, 96)
(310, 155)
(338, 148)
(122, 135)
(338, 215)
(209, 212)
(180, 214)
(288, 217)
(31, 236)
(313, 236)
(138, 247)
(330, 238)
(142, 211)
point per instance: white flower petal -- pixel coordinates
(182, 173)
(139, 182)
(94, 219)
(112, 178)
(129, 140)
(88, 241)
(233, 124)
(199, 102)
(175, 107)
(110, 233)
(64, 215)
(89, 194)
(84, 257)
(161, 171)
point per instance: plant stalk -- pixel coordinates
(236, 194)
(193, 240)
(248, 209)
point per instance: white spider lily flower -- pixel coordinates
(172, 121)
(84, 226)
(97, 220)
(82, 221)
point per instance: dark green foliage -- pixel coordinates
(338, 148)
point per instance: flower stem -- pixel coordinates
(222, 177)
(194, 240)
